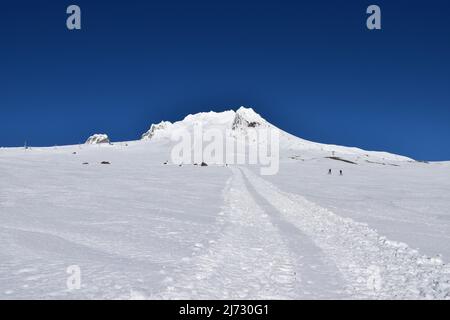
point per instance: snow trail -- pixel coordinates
(249, 261)
(374, 267)
(321, 277)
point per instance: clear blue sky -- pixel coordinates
(310, 67)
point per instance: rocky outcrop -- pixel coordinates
(246, 118)
(98, 139)
(155, 128)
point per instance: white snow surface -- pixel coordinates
(142, 229)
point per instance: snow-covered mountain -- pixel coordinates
(334, 223)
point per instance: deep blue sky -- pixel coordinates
(310, 67)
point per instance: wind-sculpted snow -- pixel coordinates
(373, 266)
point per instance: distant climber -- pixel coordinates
(329, 171)
(340, 173)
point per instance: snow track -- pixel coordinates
(259, 256)
(373, 266)
(277, 245)
(249, 261)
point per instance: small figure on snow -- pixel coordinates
(329, 171)
(340, 173)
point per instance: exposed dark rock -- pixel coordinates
(340, 159)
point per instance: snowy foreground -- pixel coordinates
(142, 229)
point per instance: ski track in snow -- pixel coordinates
(252, 260)
(249, 261)
(373, 266)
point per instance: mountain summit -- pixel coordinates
(234, 120)
(242, 119)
